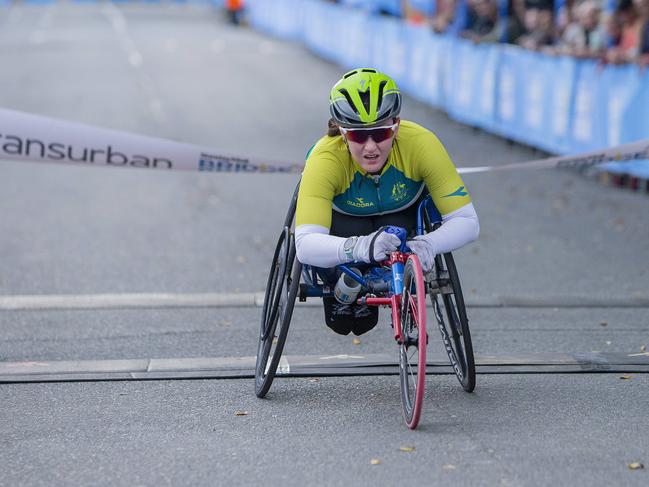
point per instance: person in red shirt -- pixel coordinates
(235, 10)
(630, 14)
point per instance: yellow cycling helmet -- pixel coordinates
(363, 97)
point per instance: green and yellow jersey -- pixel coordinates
(417, 161)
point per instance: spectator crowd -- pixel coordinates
(614, 33)
(581, 28)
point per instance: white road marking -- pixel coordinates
(283, 368)
(331, 357)
(135, 59)
(239, 300)
(134, 300)
(27, 364)
(158, 111)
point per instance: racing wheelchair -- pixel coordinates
(398, 283)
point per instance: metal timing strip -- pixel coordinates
(310, 366)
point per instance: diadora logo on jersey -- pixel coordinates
(458, 192)
(399, 191)
(359, 203)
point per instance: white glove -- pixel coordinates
(383, 245)
(425, 250)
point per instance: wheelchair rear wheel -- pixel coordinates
(279, 300)
(448, 303)
(412, 352)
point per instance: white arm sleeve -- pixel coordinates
(459, 228)
(314, 246)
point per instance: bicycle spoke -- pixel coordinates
(413, 305)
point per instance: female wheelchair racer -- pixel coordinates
(373, 170)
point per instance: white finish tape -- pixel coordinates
(634, 151)
(30, 137)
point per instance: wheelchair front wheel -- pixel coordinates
(279, 300)
(412, 352)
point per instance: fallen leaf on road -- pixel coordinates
(635, 466)
(643, 348)
(625, 376)
(314, 380)
(449, 466)
(375, 461)
(356, 341)
(604, 323)
(407, 448)
(241, 413)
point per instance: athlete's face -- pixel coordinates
(372, 155)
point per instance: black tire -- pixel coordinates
(279, 300)
(448, 304)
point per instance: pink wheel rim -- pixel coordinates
(417, 307)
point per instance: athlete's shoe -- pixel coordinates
(347, 318)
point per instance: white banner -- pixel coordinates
(635, 151)
(24, 136)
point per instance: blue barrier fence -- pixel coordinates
(558, 104)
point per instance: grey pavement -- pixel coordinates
(232, 332)
(511, 431)
(178, 71)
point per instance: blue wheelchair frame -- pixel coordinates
(373, 281)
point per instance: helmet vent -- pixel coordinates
(368, 70)
(349, 98)
(351, 73)
(381, 88)
(365, 98)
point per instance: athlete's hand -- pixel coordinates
(383, 245)
(425, 251)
